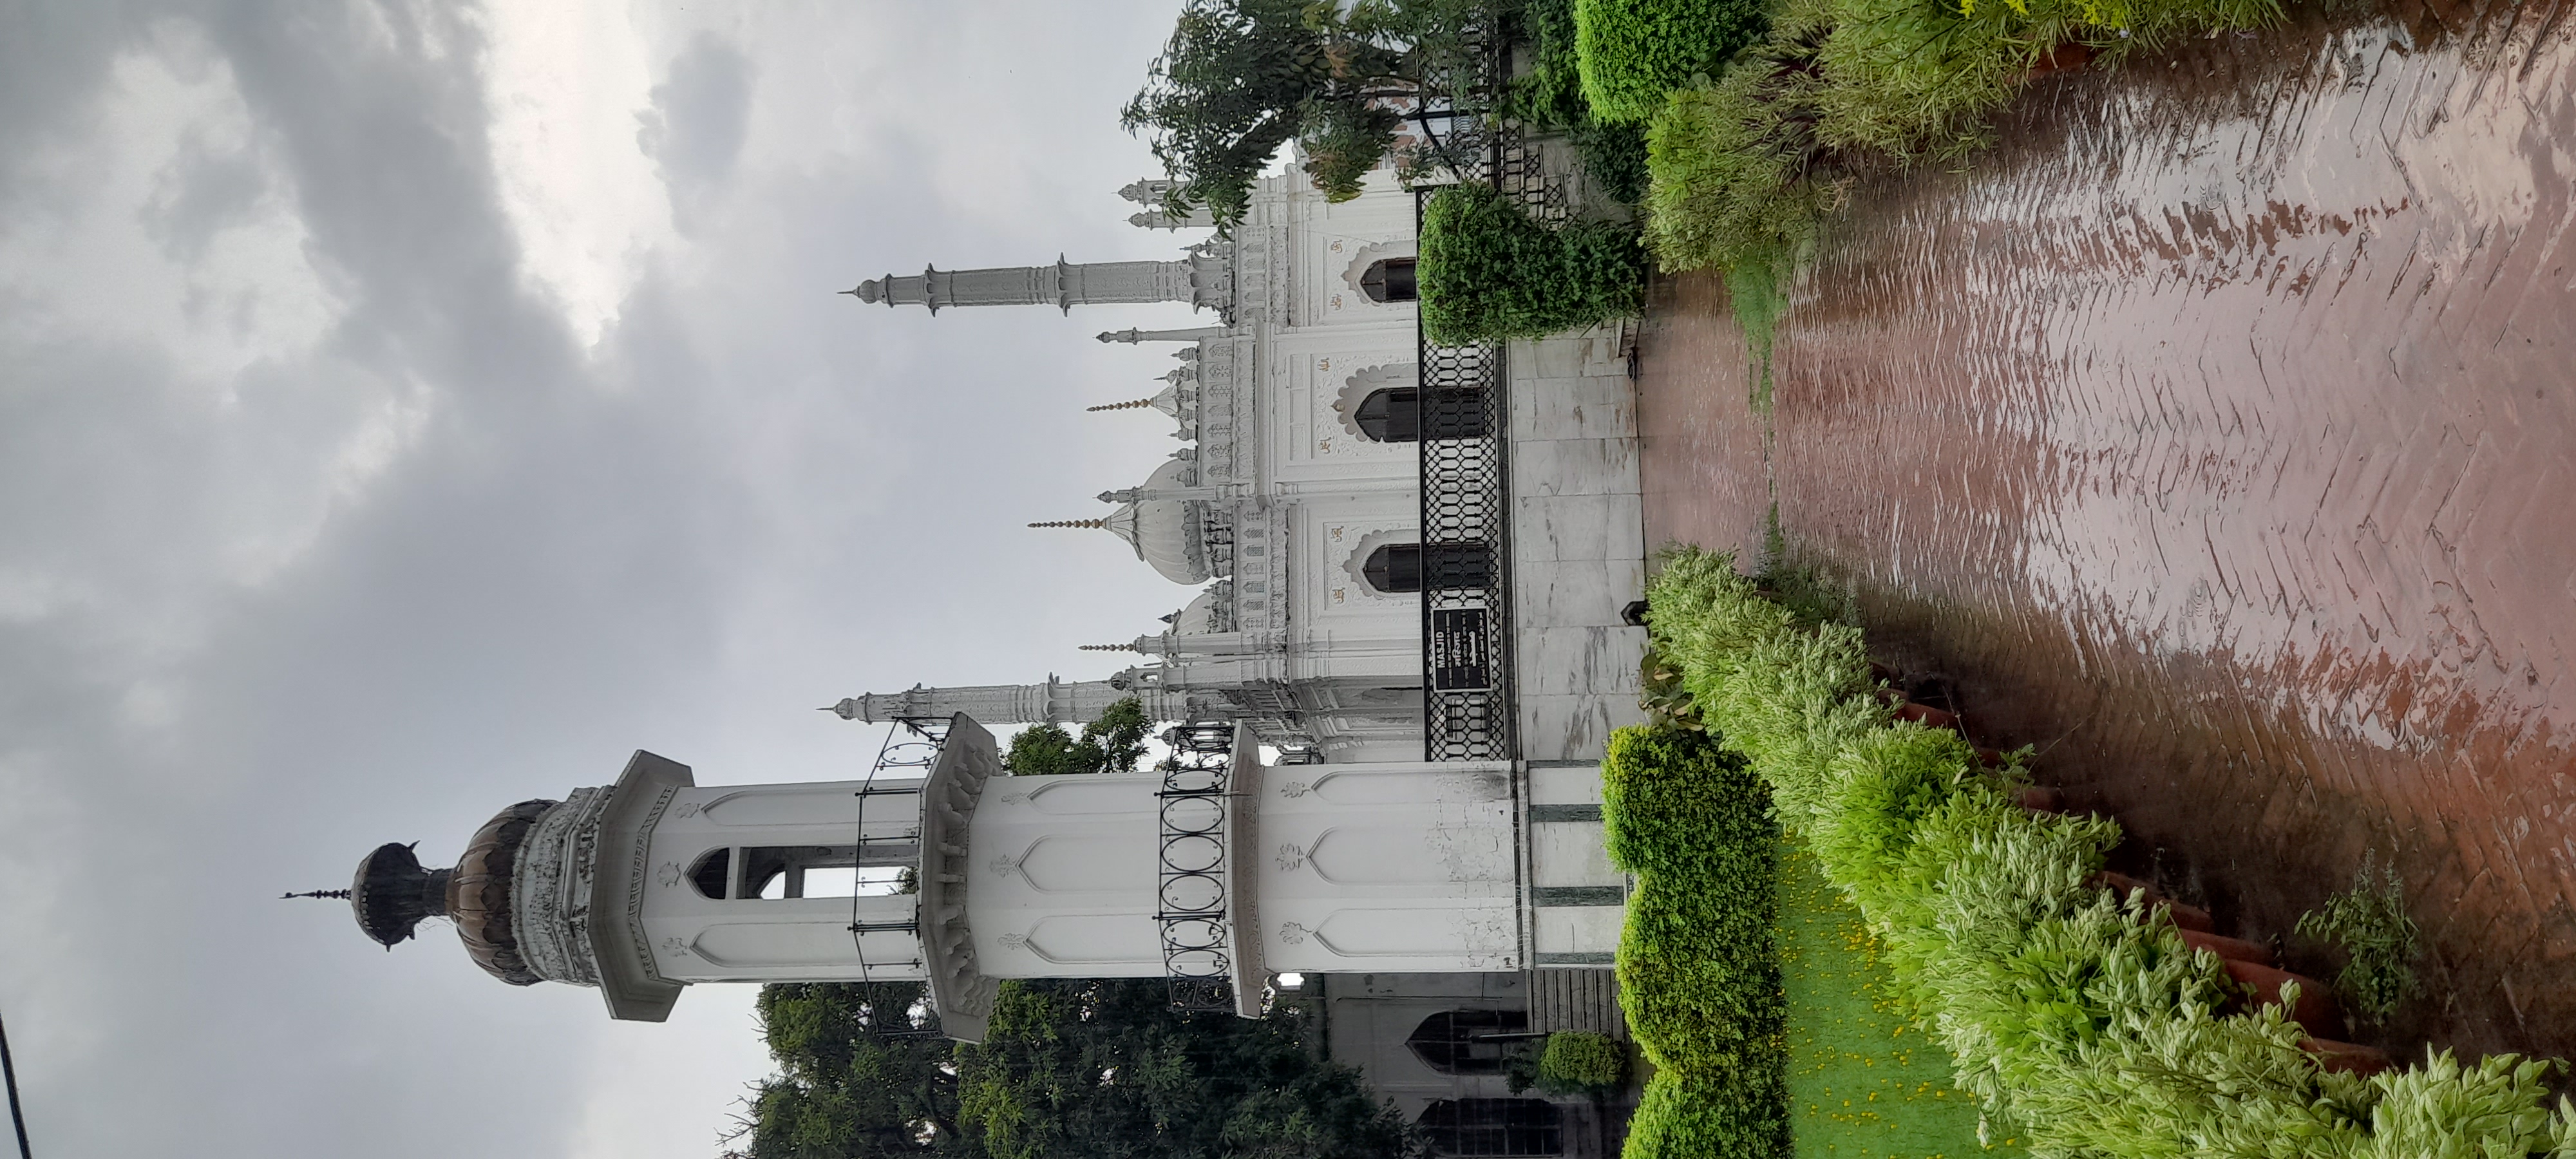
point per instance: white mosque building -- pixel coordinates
(1406, 571)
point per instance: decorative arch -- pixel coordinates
(1406, 568)
(1367, 381)
(1356, 563)
(1390, 280)
(1371, 255)
(713, 873)
(1461, 1042)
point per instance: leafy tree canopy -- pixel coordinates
(1107, 1068)
(1241, 78)
(1111, 744)
(845, 1089)
(1068, 1070)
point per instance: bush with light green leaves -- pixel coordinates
(2080, 1020)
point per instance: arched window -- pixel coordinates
(1464, 1041)
(712, 873)
(1409, 567)
(1389, 280)
(774, 872)
(1399, 414)
(1493, 1127)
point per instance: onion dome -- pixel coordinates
(478, 896)
(393, 893)
(1166, 533)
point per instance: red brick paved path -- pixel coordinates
(2219, 436)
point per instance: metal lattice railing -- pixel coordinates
(1466, 541)
(1190, 886)
(1468, 700)
(909, 748)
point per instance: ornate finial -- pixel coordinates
(1095, 523)
(1130, 404)
(1128, 335)
(326, 894)
(1108, 648)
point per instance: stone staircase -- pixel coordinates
(1576, 999)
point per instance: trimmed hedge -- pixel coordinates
(2079, 1019)
(1488, 273)
(1577, 1061)
(1699, 976)
(1633, 52)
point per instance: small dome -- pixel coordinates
(1198, 617)
(478, 893)
(1166, 533)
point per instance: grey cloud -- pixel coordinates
(752, 497)
(204, 190)
(700, 115)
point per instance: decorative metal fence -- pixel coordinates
(1190, 887)
(908, 750)
(1466, 550)
(1467, 699)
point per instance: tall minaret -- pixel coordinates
(1202, 279)
(960, 875)
(1053, 702)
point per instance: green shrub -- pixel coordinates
(1716, 1115)
(1550, 94)
(2369, 923)
(1919, 81)
(1489, 273)
(1549, 97)
(1730, 181)
(1743, 169)
(1632, 52)
(2078, 1019)
(1699, 975)
(1578, 1062)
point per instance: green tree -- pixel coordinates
(1068, 1070)
(1107, 1069)
(1241, 78)
(845, 1087)
(1111, 744)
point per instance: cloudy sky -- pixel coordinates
(410, 408)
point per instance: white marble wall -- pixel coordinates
(1578, 542)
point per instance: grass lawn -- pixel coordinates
(1862, 1083)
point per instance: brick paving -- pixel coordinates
(2217, 435)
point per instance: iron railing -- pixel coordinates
(1466, 550)
(909, 747)
(1190, 886)
(1467, 696)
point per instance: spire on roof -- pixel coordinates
(1073, 523)
(1130, 404)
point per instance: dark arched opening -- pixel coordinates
(1463, 1042)
(712, 872)
(1411, 567)
(1389, 280)
(1399, 414)
(1493, 1127)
